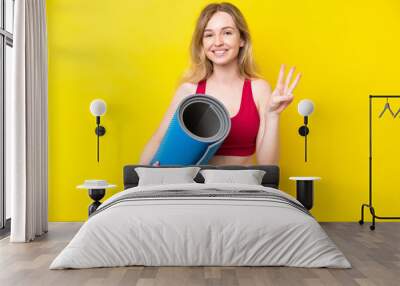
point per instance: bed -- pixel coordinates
(201, 224)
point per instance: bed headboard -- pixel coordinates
(270, 179)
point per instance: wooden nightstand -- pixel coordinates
(305, 190)
(96, 192)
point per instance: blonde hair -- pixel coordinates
(201, 67)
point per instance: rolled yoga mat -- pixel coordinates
(198, 128)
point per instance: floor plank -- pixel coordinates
(374, 255)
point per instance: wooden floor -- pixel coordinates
(375, 257)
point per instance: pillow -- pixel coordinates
(162, 176)
(249, 177)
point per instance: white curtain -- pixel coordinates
(26, 123)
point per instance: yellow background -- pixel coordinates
(132, 54)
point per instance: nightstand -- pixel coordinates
(305, 190)
(96, 190)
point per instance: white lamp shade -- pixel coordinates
(305, 107)
(98, 107)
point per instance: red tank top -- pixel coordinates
(241, 140)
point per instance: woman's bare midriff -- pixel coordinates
(231, 160)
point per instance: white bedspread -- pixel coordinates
(200, 231)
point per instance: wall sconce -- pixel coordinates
(305, 108)
(98, 108)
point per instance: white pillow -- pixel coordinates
(162, 176)
(248, 177)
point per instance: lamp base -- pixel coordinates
(100, 130)
(303, 130)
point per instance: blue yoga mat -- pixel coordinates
(197, 129)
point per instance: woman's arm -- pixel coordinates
(271, 104)
(151, 147)
(267, 144)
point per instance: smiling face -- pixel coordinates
(221, 39)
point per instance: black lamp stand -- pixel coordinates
(303, 131)
(100, 131)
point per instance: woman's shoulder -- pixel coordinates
(261, 90)
(185, 89)
(260, 86)
(188, 87)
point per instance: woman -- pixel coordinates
(223, 67)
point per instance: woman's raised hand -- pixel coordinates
(282, 96)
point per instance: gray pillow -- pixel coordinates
(162, 176)
(248, 177)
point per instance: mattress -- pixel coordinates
(201, 225)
